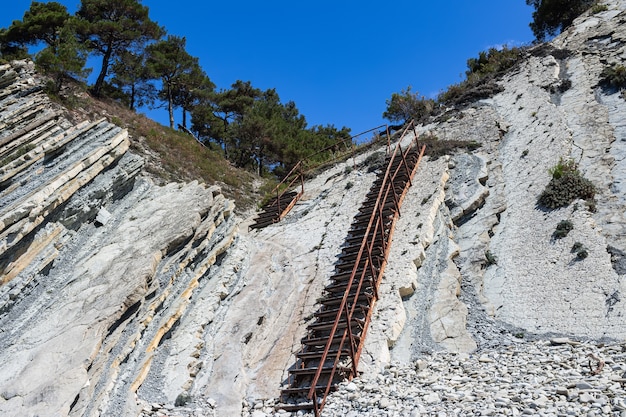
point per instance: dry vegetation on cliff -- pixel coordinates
(170, 155)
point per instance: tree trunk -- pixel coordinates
(184, 118)
(106, 58)
(132, 97)
(170, 105)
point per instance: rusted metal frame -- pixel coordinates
(316, 408)
(347, 332)
(371, 262)
(349, 286)
(415, 135)
(390, 184)
(383, 265)
(349, 327)
(333, 331)
(368, 316)
(296, 166)
(347, 292)
(388, 137)
(406, 164)
(276, 189)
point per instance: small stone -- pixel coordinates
(103, 217)
(557, 341)
(420, 365)
(351, 387)
(583, 385)
(432, 398)
(585, 398)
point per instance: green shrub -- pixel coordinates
(406, 105)
(436, 148)
(567, 184)
(490, 259)
(580, 250)
(493, 61)
(614, 76)
(374, 161)
(597, 8)
(480, 76)
(563, 229)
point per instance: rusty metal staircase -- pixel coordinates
(285, 198)
(331, 350)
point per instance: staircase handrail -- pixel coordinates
(384, 190)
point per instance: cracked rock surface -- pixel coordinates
(119, 297)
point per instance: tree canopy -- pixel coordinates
(41, 22)
(169, 60)
(552, 16)
(407, 105)
(110, 27)
(142, 65)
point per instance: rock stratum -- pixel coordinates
(122, 297)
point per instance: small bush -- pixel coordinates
(580, 250)
(582, 254)
(598, 8)
(436, 148)
(182, 399)
(374, 161)
(349, 185)
(490, 259)
(563, 229)
(614, 76)
(567, 185)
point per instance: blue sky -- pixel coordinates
(337, 60)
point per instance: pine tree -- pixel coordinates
(110, 27)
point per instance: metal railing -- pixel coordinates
(377, 227)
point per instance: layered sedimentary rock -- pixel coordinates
(119, 297)
(99, 266)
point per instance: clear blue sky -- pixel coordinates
(337, 60)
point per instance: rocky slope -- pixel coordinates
(120, 297)
(98, 264)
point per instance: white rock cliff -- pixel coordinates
(120, 297)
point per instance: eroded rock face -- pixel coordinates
(121, 298)
(99, 266)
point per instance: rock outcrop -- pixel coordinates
(120, 297)
(99, 266)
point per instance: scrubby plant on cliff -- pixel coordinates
(614, 76)
(580, 250)
(479, 83)
(563, 229)
(436, 148)
(407, 105)
(567, 184)
(598, 8)
(553, 16)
